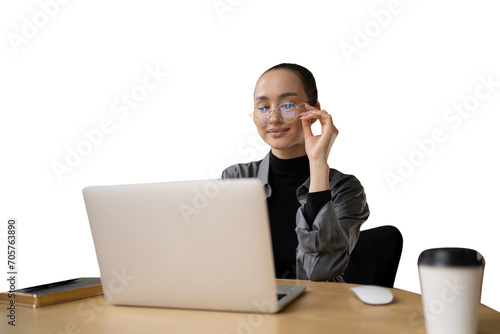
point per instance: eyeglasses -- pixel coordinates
(286, 112)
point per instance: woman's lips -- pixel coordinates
(277, 132)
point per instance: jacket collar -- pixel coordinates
(302, 191)
(263, 176)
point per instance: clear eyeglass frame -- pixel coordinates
(280, 117)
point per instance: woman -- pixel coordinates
(315, 212)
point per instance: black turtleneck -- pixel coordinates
(285, 176)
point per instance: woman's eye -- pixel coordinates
(263, 109)
(287, 105)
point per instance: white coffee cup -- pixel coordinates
(451, 282)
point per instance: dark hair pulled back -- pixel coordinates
(305, 76)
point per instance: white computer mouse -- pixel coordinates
(373, 294)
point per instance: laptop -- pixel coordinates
(191, 244)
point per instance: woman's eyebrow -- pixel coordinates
(281, 96)
(287, 95)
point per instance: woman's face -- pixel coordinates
(274, 88)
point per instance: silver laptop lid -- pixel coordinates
(191, 244)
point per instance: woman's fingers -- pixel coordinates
(324, 118)
(318, 145)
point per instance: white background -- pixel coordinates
(65, 78)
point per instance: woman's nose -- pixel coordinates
(273, 117)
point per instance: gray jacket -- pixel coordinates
(324, 248)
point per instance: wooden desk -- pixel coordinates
(324, 308)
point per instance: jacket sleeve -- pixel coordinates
(230, 172)
(325, 245)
